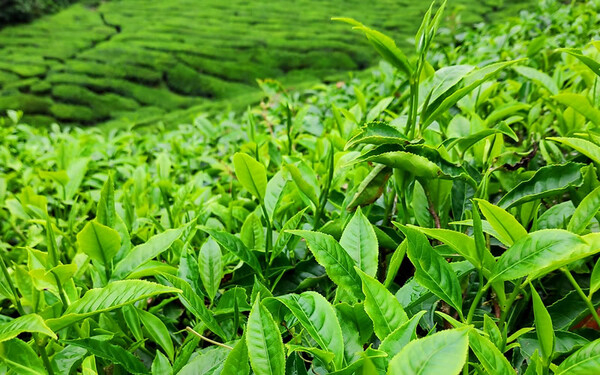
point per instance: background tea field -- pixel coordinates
(134, 61)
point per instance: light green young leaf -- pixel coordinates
(265, 346)
(589, 149)
(25, 323)
(116, 294)
(360, 242)
(158, 332)
(399, 338)
(251, 174)
(105, 212)
(161, 365)
(539, 77)
(147, 251)
(378, 108)
(235, 246)
(431, 270)
(441, 353)
(338, 264)
(509, 230)
(376, 133)
(588, 61)
(210, 264)
(284, 235)
(237, 360)
(539, 253)
(253, 233)
(585, 212)
(383, 308)
(543, 326)
(99, 242)
(318, 318)
(493, 361)
(581, 104)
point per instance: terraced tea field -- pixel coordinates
(133, 61)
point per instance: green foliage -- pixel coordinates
(438, 216)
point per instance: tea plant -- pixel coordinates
(439, 217)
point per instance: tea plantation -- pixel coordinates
(133, 61)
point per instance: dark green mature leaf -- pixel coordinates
(491, 358)
(116, 294)
(547, 181)
(318, 318)
(441, 353)
(338, 264)
(360, 242)
(63, 361)
(146, 251)
(112, 353)
(539, 253)
(251, 174)
(265, 347)
(20, 358)
(383, 308)
(431, 270)
(25, 323)
(194, 303)
(99, 242)
(235, 246)
(585, 361)
(543, 326)
(284, 235)
(585, 212)
(371, 188)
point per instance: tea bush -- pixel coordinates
(440, 215)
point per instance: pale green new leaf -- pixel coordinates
(146, 251)
(158, 332)
(237, 360)
(493, 361)
(509, 230)
(585, 212)
(116, 294)
(383, 308)
(99, 242)
(251, 174)
(338, 264)
(431, 270)
(265, 346)
(25, 323)
(399, 338)
(441, 353)
(543, 326)
(360, 242)
(210, 264)
(589, 149)
(318, 318)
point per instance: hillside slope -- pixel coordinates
(132, 61)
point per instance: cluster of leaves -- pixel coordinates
(437, 218)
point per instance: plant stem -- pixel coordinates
(190, 330)
(11, 286)
(585, 298)
(509, 302)
(480, 292)
(41, 346)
